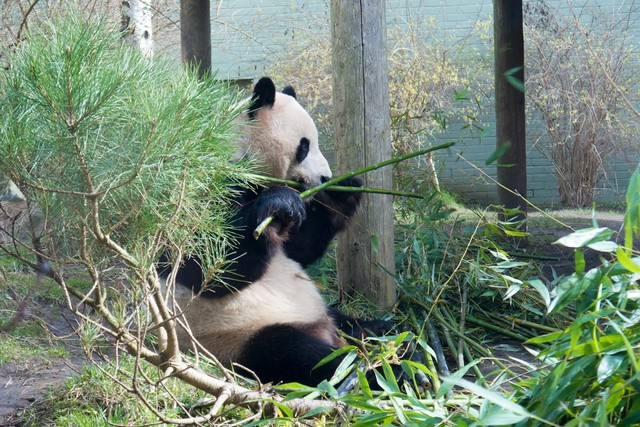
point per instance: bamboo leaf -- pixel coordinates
(609, 364)
(585, 237)
(497, 416)
(489, 395)
(580, 261)
(376, 419)
(572, 288)
(514, 81)
(357, 402)
(499, 152)
(631, 264)
(374, 243)
(542, 339)
(515, 233)
(326, 387)
(542, 290)
(365, 388)
(511, 291)
(606, 343)
(605, 246)
(632, 214)
(336, 353)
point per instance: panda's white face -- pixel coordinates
(285, 138)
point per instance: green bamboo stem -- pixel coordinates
(498, 329)
(480, 349)
(373, 190)
(476, 369)
(502, 322)
(311, 191)
(428, 359)
(460, 352)
(452, 347)
(533, 325)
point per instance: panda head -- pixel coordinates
(283, 137)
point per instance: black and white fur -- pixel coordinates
(268, 315)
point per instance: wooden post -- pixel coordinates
(365, 253)
(195, 34)
(510, 117)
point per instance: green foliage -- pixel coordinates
(94, 132)
(590, 373)
(442, 254)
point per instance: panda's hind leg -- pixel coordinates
(285, 353)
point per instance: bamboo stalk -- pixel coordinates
(430, 364)
(373, 190)
(533, 325)
(311, 191)
(480, 349)
(476, 369)
(498, 329)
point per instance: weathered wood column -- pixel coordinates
(195, 34)
(510, 113)
(365, 253)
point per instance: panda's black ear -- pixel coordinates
(289, 90)
(264, 95)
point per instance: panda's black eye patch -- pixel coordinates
(303, 150)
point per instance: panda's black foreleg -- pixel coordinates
(284, 353)
(341, 205)
(327, 214)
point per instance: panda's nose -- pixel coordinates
(324, 179)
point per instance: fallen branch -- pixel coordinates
(310, 192)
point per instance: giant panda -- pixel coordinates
(267, 315)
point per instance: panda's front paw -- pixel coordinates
(284, 205)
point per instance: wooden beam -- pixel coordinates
(365, 253)
(195, 34)
(510, 112)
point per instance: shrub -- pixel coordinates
(581, 71)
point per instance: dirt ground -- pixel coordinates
(24, 383)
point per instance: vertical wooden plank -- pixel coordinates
(510, 113)
(365, 253)
(195, 34)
